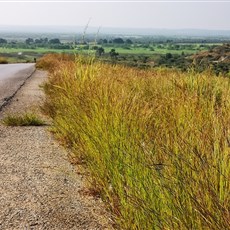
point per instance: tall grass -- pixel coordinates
(157, 143)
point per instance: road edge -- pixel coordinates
(8, 99)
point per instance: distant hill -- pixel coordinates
(218, 57)
(217, 54)
(119, 31)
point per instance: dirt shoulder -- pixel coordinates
(39, 188)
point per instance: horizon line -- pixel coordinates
(117, 27)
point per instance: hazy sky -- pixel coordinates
(142, 14)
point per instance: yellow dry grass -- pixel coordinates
(157, 142)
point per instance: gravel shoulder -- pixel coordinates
(39, 188)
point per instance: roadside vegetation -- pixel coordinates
(3, 60)
(156, 142)
(27, 119)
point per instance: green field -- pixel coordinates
(21, 54)
(147, 51)
(142, 54)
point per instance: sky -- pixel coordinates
(120, 14)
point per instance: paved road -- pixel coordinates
(12, 76)
(39, 188)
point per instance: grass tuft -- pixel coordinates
(3, 60)
(28, 119)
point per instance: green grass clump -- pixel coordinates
(28, 119)
(155, 141)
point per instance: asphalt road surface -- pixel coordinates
(12, 77)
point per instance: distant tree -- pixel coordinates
(94, 47)
(54, 41)
(128, 41)
(100, 51)
(3, 41)
(118, 41)
(177, 47)
(102, 41)
(151, 48)
(29, 41)
(168, 56)
(145, 59)
(44, 40)
(113, 54)
(85, 47)
(37, 41)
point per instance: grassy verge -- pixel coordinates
(156, 142)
